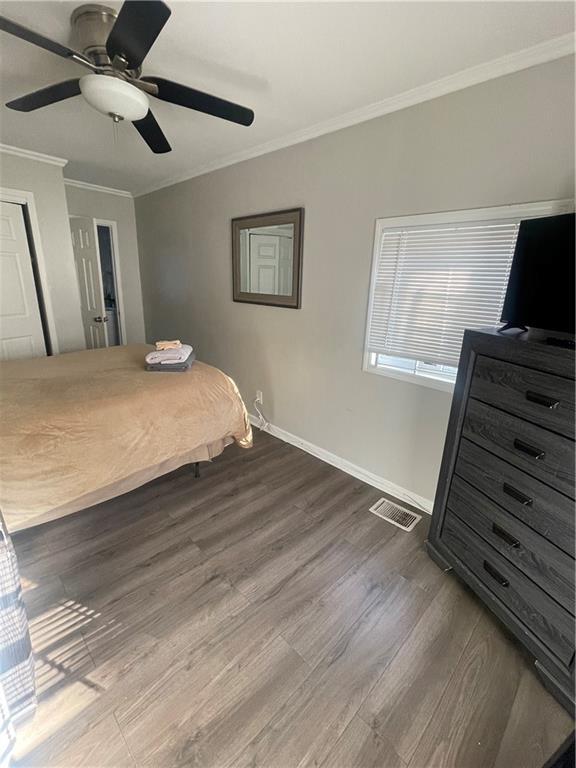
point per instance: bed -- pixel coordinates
(83, 427)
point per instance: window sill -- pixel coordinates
(412, 378)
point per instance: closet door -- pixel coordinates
(21, 333)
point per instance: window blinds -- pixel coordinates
(430, 283)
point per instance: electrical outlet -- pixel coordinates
(259, 397)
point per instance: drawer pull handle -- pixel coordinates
(517, 495)
(495, 574)
(529, 450)
(547, 402)
(505, 536)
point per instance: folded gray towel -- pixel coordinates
(172, 367)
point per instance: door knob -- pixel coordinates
(105, 319)
(98, 319)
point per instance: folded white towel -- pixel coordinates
(168, 356)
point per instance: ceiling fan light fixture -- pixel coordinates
(115, 97)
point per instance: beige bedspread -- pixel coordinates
(80, 428)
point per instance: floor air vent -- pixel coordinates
(396, 515)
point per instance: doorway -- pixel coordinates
(109, 283)
(96, 256)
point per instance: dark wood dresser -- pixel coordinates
(503, 515)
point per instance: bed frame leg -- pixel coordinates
(196, 469)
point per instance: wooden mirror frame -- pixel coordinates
(293, 216)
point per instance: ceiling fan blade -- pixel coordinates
(138, 25)
(200, 101)
(6, 25)
(152, 134)
(46, 96)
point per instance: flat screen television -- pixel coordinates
(540, 290)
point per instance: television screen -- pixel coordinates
(540, 290)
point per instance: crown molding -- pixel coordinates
(97, 188)
(542, 53)
(29, 154)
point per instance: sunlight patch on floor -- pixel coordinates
(63, 672)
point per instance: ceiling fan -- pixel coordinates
(113, 46)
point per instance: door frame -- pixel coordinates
(113, 226)
(26, 199)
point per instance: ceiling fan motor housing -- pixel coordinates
(91, 26)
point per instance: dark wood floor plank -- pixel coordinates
(240, 520)
(325, 523)
(39, 597)
(233, 642)
(209, 726)
(124, 566)
(194, 602)
(125, 661)
(535, 728)
(403, 701)
(112, 551)
(424, 572)
(372, 532)
(236, 640)
(59, 720)
(469, 722)
(316, 630)
(231, 482)
(104, 740)
(361, 747)
(246, 617)
(328, 699)
(141, 579)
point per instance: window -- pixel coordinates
(433, 276)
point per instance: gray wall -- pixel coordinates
(46, 182)
(506, 141)
(102, 205)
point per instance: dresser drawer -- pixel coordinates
(547, 456)
(541, 615)
(543, 562)
(543, 509)
(539, 397)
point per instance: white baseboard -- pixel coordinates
(351, 469)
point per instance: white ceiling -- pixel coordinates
(296, 64)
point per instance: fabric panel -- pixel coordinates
(17, 682)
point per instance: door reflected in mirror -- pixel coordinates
(267, 258)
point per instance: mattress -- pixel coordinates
(80, 428)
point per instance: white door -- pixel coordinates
(89, 274)
(21, 333)
(264, 262)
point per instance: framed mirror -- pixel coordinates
(267, 258)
